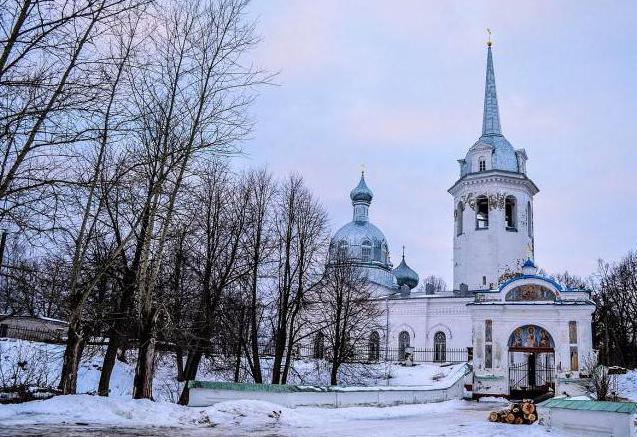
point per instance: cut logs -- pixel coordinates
(517, 413)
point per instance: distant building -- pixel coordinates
(525, 332)
(34, 328)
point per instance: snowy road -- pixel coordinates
(455, 418)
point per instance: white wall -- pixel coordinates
(335, 396)
(422, 317)
(588, 423)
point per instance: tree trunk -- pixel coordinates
(103, 388)
(237, 364)
(190, 372)
(179, 358)
(72, 357)
(279, 349)
(334, 373)
(143, 382)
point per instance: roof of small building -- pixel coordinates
(590, 405)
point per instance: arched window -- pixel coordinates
(529, 219)
(482, 212)
(374, 346)
(403, 343)
(377, 251)
(482, 164)
(366, 251)
(511, 213)
(319, 345)
(341, 254)
(440, 346)
(459, 218)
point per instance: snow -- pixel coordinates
(457, 418)
(242, 417)
(95, 409)
(45, 360)
(627, 385)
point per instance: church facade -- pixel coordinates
(523, 332)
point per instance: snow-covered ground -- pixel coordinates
(118, 414)
(256, 418)
(44, 361)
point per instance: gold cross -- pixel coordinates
(489, 42)
(363, 169)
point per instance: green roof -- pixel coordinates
(277, 388)
(570, 404)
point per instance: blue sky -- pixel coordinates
(398, 86)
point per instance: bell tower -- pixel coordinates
(493, 203)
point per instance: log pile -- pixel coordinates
(517, 413)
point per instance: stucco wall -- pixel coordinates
(490, 252)
(423, 317)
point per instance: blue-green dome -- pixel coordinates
(405, 275)
(362, 242)
(361, 193)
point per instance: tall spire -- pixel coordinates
(491, 116)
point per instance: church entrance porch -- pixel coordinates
(531, 362)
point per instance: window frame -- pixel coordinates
(440, 347)
(366, 251)
(511, 213)
(482, 202)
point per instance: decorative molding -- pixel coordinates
(496, 200)
(439, 327)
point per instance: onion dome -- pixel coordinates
(362, 242)
(361, 193)
(405, 275)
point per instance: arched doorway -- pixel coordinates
(531, 362)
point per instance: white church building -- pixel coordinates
(524, 333)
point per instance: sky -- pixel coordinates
(398, 87)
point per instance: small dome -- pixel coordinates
(502, 154)
(405, 275)
(528, 263)
(529, 267)
(362, 191)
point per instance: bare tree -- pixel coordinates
(346, 315)
(434, 283)
(258, 247)
(615, 317)
(92, 203)
(301, 246)
(220, 225)
(50, 83)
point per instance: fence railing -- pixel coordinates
(372, 354)
(355, 354)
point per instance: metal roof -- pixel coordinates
(584, 405)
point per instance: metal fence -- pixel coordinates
(373, 354)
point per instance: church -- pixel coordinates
(524, 333)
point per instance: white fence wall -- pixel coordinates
(338, 396)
